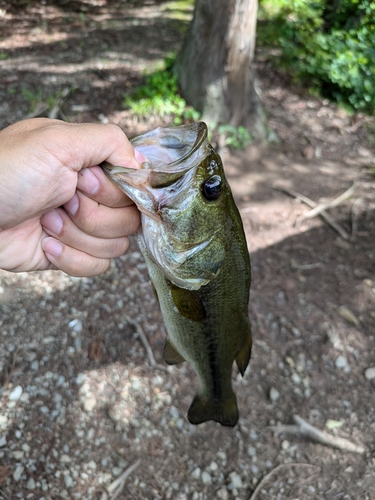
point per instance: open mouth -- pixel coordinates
(170, 149)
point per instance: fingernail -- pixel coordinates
(140, 157)
(88, 182)
(72, 205)
(52, 247)
(53, 222)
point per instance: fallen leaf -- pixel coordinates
(348, 315)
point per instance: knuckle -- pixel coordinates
(89, 223)
(120, 246)
(86, 265)
(116, 132)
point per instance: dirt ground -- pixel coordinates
(80, 401)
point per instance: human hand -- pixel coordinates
(55, 213)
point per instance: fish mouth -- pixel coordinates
(173, 149)
(171, 153)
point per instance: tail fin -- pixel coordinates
(224, 411)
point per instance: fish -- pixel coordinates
(194, 245)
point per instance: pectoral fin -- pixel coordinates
(243, 357)
(225, 412)
(171, 355)
(188, 303)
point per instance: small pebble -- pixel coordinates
(236, 481)
(296, 378)
(196, 474)
(89, 403)
(251, 451)
(34, 365)
(16, 393)
(285, 445)
(222, 494)
(136, 384)
(76, 325)
(214, 467)
(116, 471)
(48, 340)
(342, 363)
(370, 373)
(174, 412)
(68, 480)
(31, 484)
(18, 472)
(206, 478)
(274, 395)
(254, 469)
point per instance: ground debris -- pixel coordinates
(307, 430)
(325, 216)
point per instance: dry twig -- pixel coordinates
(95, 351)
(328, 219)
(56, 110)
(10, 369)
(322, 207)
(5, 472)
(307, 430)
(117, 485)
(146, 344)
(355, 213)
(265, 478)
(40, 109)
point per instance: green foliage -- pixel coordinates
(33, 98)
(39, 100)
(159, 96)
(328, 44)
(235, 137)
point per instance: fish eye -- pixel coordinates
(211, 188)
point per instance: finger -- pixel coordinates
(72, 261)
(92, 143)
(60, 225)
(101, 221)
(93, 182)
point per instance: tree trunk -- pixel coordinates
(215, 67)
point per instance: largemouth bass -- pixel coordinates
(195, 249)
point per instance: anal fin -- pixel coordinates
(243, 357)
(171, 355)
(225, 411)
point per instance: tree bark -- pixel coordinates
(215, 65)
